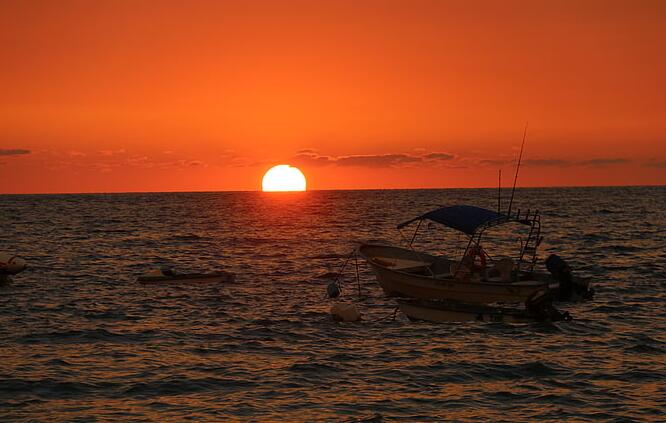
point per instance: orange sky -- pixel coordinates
(157, 96)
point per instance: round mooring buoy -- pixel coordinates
(333, 290)
(342, 312)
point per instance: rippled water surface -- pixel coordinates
(80, 339)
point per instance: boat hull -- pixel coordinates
(403, 282)
(450, 312)
(400, 284)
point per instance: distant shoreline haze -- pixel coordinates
(505, 190)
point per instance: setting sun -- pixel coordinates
(283, 178)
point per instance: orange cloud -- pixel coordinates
(311, 158)
(14, 152)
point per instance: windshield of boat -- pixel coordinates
(505, 240)
(440, 240)
(498, 242)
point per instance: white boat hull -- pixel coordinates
(397, 280)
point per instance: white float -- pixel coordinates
(343, 312)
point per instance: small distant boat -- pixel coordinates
(10, 265)
(476, 278)
(168, 276)
(538, 308)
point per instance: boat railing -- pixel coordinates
(528, 252)
(528, 255)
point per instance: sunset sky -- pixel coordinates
(108, 96)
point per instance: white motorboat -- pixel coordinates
(477, 277)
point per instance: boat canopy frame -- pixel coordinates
(474, 221)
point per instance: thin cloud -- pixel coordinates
(495, 162)
(439, 156)
(547, 162)
(605, 161)
(656, 163)
(112, 152)
(307, 151)
(379, 160)
(555, 162)
(14, 152)
(230, 158)
(311, 158)
(106, 161)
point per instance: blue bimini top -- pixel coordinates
(465, 219)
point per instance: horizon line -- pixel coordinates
(325, 189)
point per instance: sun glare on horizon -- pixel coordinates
(283, 178)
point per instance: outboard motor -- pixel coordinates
(562, 273)
(569, 286)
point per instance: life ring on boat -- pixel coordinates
(475, 253)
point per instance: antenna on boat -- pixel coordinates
(499, 192)
(515, 178)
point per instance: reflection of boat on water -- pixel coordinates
(168, 276)
(477, 278)
(538, 308)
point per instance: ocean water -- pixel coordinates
(81, 340)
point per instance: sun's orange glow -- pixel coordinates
(283, 178)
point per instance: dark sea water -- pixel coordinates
(81, 340)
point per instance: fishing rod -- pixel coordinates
(515, 178)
